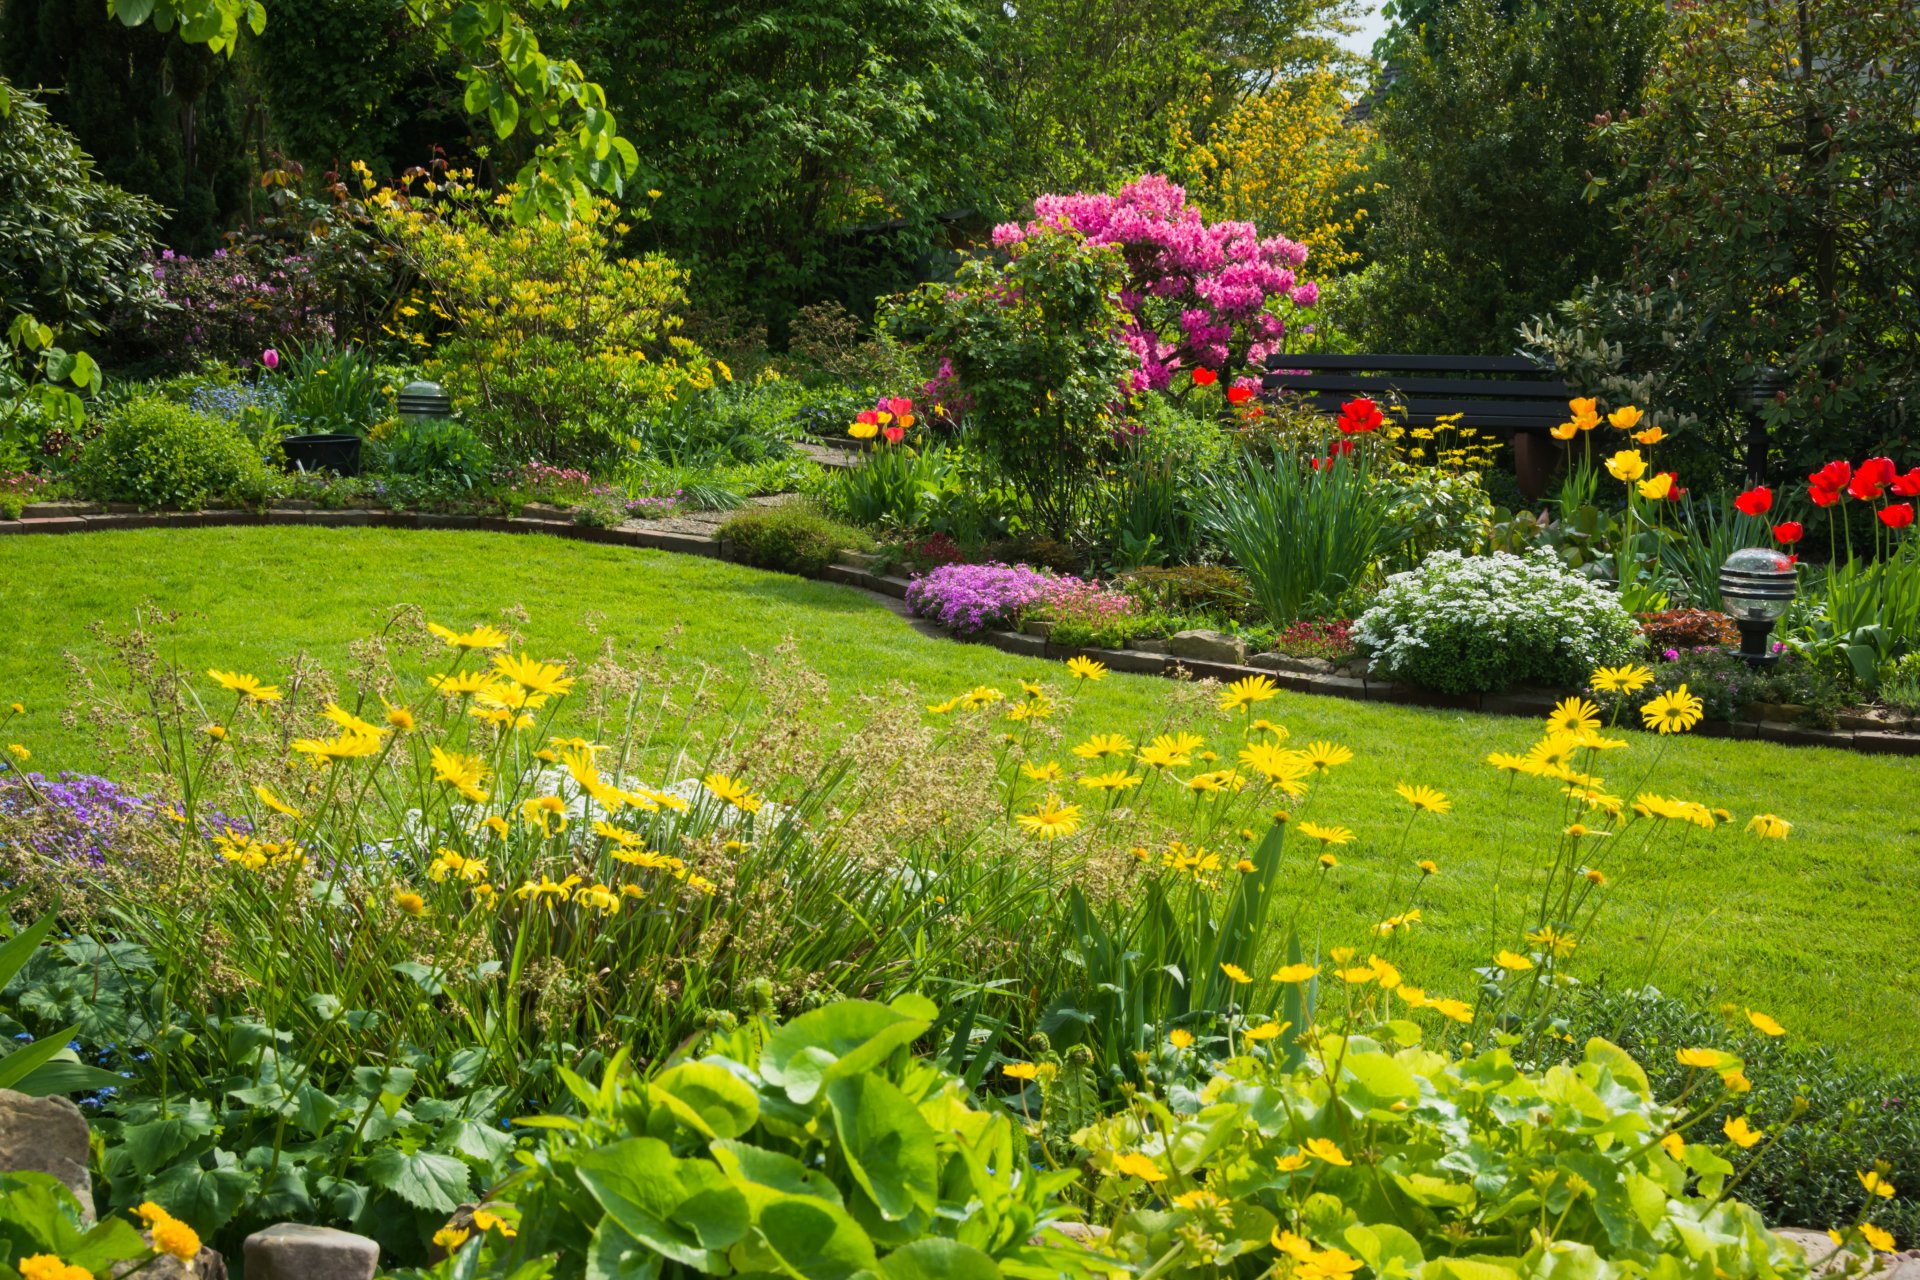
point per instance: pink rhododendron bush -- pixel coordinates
(1198, 294)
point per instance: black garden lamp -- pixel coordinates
(420, 401)
(1756, 586)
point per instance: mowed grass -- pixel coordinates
(1816, 930)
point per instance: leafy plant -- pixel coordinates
(821, 1147)
(328, 391)
(438, 449)
(893, 486)
(1305, 537)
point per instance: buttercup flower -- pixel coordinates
(247, 686)
(1052, 820)
(1083, 668)
(1425, 798)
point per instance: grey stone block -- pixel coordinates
(1287, 662)
(292, 1251)
(1207, 646)
(46, 1135)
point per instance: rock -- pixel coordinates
(291, 1251)
(47, 1135)
(1207, 646)
(1037, 627)
(1287, 662)
(208, 1264)
(1139, 645)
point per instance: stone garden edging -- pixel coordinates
(76, 518)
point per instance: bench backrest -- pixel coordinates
(1500, 394)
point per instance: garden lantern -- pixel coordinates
(1755, 394)
(1756, 586)
(420, 401)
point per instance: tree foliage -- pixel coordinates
(1771, 189)
(769, 125)
(1487, 129)
(1093, 92)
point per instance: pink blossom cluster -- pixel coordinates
(1199, 294)
(1079, 600)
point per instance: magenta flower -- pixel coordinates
(270, 358)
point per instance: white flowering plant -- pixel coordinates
(1464, 624)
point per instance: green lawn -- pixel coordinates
(1816, 930)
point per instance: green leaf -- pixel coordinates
(21, 946)
(816, 1241)
(59, 1077)
(614, 1254)
(670, 1205)
(154, 1144)
(504, 112)
(765, 1175)
(464, 1067)
(938, 1259)
(424, 1179)
(888, 1146)
(854, 1034)
(707, 1099)
(132, 12)
(24, 1061)
(203, 1198)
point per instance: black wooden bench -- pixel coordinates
(1509, 396)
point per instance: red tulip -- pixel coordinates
(1897, 516)
(899, 406)
(1788, 532)
(1205, 377)
(1358, 417)
(1823, 496)
(1908, 485)
(1674, 491)
(894, 434)
(1239, 395)
(1340, 449)
(1872, 479)
(1755, 502)
(1834, 475)
(867, 417)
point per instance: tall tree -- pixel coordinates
(1486, 122)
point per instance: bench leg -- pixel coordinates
(1534, 458)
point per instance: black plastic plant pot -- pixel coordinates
(337, 453)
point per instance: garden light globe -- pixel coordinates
(1756, 586)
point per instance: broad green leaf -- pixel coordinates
(1621, 1063)
(640, 1183)
(424, 1179)
(938, 1259)
(58, 1077)
(203, 1198)
(765, 1175)
(21, 946)
(707, 1099)
(889, 1148)
(614, 1254)
(815, 1240)
(857, 1034)
(152, 1145)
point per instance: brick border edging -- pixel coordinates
(636, 534)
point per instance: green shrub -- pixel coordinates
(821, 1148)
(326, 391)
(794, 539)
(894, 486)
(436, 449)
(159, 454)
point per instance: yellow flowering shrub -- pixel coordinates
(547, 338)
(1289, 159)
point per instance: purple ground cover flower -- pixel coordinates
(970, 598)
(77, 816)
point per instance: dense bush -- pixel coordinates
(70, 245)
(1192, 587)
(791, 538)
(1463, 624)
(160, 454)
(1855, 1116)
